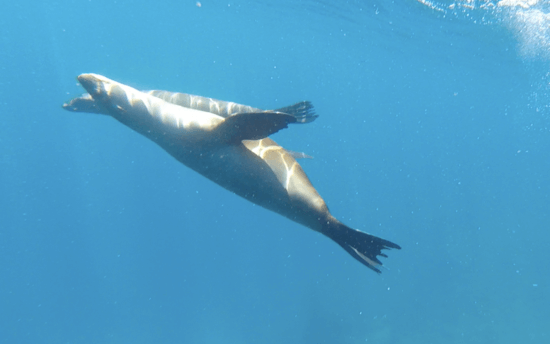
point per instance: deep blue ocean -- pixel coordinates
(434, 133)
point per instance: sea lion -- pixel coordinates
(228, 143)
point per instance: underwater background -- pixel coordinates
(434, 133)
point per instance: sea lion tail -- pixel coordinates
(361, 246)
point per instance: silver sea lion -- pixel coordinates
(228, 143)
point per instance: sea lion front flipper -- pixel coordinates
(85, 103)
(251, 126)
(303, 111)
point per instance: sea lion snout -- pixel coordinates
(110, 93)
(93, 83)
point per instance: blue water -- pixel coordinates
(434, 133)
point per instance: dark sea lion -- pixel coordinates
(228, 143)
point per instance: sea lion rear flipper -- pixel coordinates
(361, 246)
(251, 126)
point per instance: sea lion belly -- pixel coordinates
(241, 171)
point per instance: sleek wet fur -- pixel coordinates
(228, 143)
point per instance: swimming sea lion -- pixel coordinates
(228, 143)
